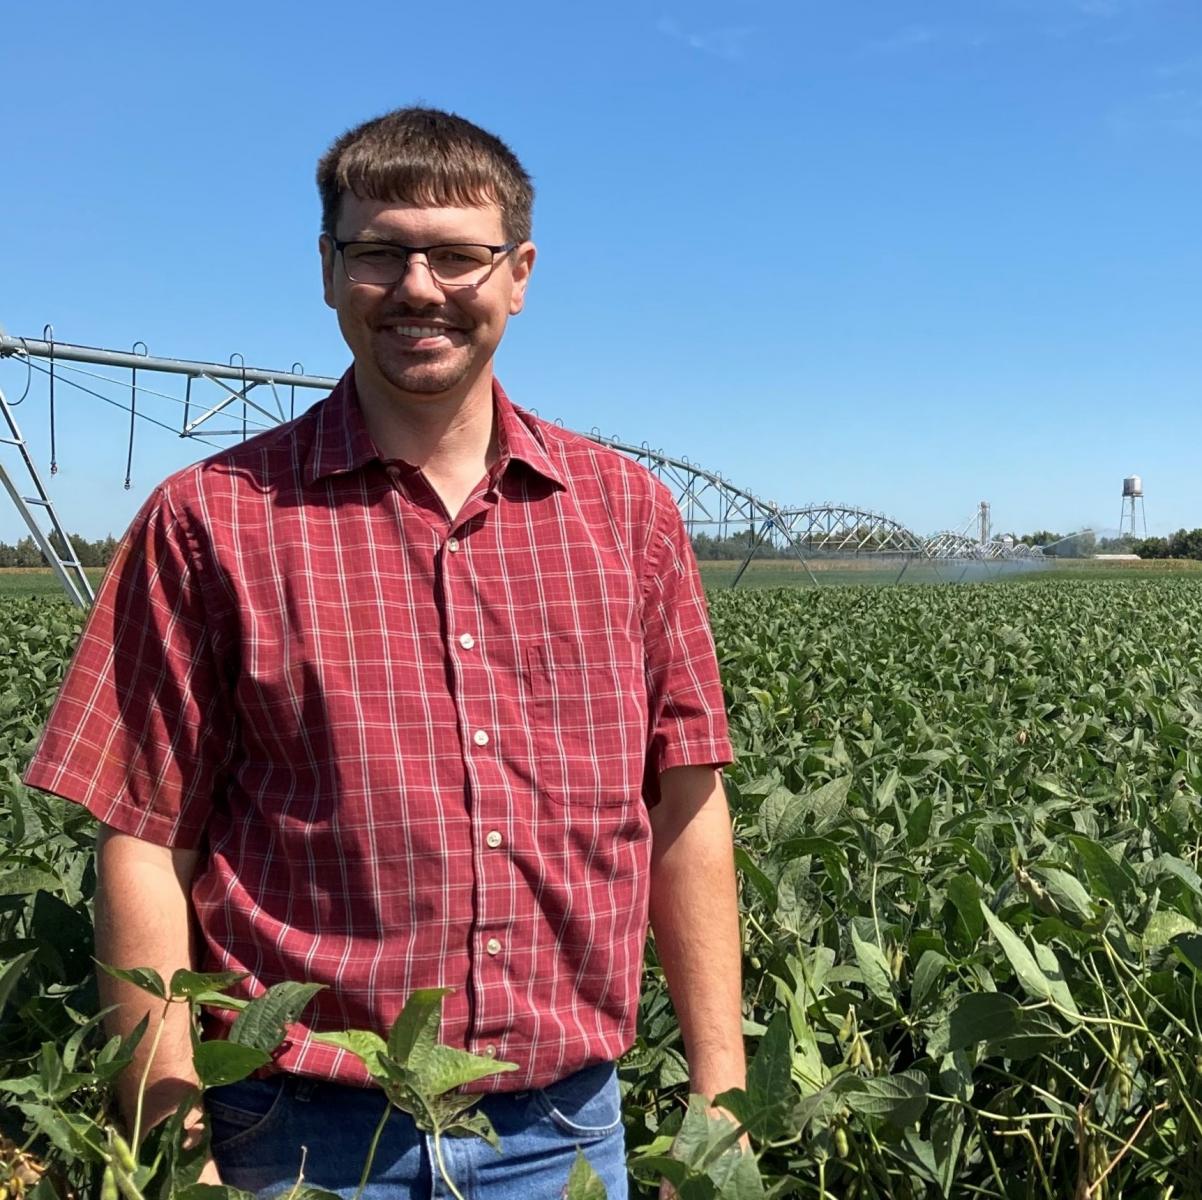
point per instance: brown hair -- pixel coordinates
(426, 156)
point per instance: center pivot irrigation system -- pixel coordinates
(216, 402)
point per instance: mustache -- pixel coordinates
(426, 314)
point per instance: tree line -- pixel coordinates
(1182, 544)
(90, 554)
(1185, 543)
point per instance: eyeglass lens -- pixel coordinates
(367, 262)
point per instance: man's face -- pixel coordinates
(420, 337)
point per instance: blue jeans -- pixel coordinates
(261, 1127)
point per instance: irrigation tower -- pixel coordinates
(1133, 503)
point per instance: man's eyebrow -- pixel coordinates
(379, 240)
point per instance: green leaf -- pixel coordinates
(1111, 879)
(782, 816)
(769, 1074)
(417, 1023)
(1052, 786)
(474, 1123)
(757, 878)
(964, 892)
(1038, 1030)
(214, 1191)
(1026, 970)
(23, 881)
(1164, 925)
(72, 1133)
(145, 978)
(11, 974)
(220, 1062)
(1068, 891)
(50, 1069)
(1049, 964)
(366, 1046)
(265, 1020)
(584, 1183)
(828, 802)
(978, 1016)
(874, 968)
(441, 1069)
(1176, 868)
(800, 898)
(927, 973)
(918, 823)
(899, 1099)
(188, 985)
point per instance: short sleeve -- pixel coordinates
(141, 731)
(687, 717)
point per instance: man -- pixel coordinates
(413, 691)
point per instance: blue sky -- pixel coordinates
(906, 255)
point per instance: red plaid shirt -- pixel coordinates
(415, 751)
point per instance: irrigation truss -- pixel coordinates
(212, 403)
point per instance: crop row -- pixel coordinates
(968, 827)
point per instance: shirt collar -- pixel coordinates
(342, 443)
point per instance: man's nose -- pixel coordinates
(417, 284)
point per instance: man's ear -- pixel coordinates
(523, 264)
(325, 247)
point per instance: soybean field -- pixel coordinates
(967, 827)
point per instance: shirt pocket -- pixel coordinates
(590, 722)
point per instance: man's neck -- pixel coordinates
(451, 438)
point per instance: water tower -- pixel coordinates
(1133, 501)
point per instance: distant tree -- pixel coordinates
(1154, 547)
(85, 551)
(90, 554)
(1042, 537)
(707, 547)
(28, 554)
(106, 547)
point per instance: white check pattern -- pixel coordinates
(416, 751)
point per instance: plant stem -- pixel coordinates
(442, 1167)
(375, 1145)
(136, 1141)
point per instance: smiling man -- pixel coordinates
(416, 690)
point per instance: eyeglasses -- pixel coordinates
(456, 264)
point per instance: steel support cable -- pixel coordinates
(28, 379)
(292, 390)
(117, 404)
(48, 336)
(133, 410)
(146, 391)
(241, 363)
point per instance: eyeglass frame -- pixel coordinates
(340, 246)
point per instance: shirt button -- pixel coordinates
(453, 545)
(490, 1051)
(466, 641)
(480, 737)
(493, 838)
(493, 946)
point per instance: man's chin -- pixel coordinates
(428, 383)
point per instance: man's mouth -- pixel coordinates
(421, 331)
